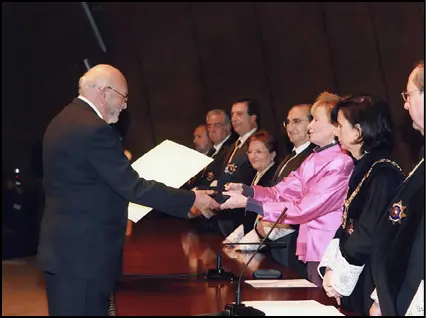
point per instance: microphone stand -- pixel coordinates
(239, 309)
(219, 273)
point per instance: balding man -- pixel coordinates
(218, 126)
(201, 140)
(88, 183)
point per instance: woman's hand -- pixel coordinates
(235, 200)
(234, 187)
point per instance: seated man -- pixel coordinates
(296, 126)
(202, 144)
(245, 115)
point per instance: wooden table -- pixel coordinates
(162, 245)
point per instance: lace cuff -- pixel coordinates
(277, 233)
(417, 305)
(345, 275)
(250, 237)
(329, 257)
(236, 236)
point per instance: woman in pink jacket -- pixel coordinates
(314, 194)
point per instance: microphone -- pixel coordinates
(239, 309)
(219, 273)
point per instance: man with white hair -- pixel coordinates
(88, 184)
(397, 264)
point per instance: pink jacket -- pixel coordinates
(314, 196)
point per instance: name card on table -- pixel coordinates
(280, 283)
(309, 308)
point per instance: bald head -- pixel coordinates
(101, 75)
(106, 88)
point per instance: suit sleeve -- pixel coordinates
(106, 156)
(326, 195)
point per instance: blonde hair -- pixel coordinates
(326, 100)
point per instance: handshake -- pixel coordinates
(211, 200)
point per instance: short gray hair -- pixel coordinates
(219, 112)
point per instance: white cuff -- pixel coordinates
(329, 257)
(417, 305)
(237, 235)
(345, 276)
(250, 237)
(207, 214)
(374, 296)
(277, 233)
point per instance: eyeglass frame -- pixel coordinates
(405, 95)
(295, 121)
(125, 98)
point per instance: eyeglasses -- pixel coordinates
(405, 95)
(215, 125)
(295, 121)
(125, 98)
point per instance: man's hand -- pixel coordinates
(236, 200)
(234, 187)
(375, 309)
(194, 211)
(204, 202)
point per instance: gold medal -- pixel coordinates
(396, 213)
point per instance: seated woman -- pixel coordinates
(261, 152)
(365, 129)
(313, 194)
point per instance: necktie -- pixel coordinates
(237, 144)
(289, 158)
(211, 152)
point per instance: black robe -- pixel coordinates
(398, 254)
(365, 213)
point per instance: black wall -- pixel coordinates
(182, 59)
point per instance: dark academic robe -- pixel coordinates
(214, 169)
(354, 239)
(236, 169)
(398, 254)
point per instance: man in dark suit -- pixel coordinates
(218, 126)
(245, 116)
(201, 140)
(296, 126)
(202, 144)
(219, 131)
(88, 184)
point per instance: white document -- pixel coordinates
(169, 163)
(280, 283)
(294, 308)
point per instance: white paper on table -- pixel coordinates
(294, 308)
(170, 163)
(280, 283)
